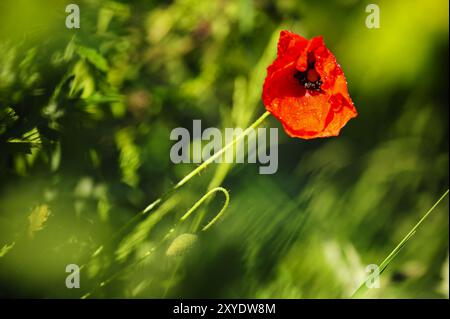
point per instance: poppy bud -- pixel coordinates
(181, 245)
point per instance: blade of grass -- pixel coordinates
(399, 247)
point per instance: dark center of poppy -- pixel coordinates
(310, 79)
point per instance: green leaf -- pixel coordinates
(93, 57)
(5, 249)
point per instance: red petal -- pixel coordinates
(305, 113)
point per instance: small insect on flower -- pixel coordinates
(306, 89)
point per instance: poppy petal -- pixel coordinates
(306, 90)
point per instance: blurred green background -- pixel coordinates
(85, 118)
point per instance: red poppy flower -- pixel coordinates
(306, 89)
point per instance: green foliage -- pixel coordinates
(85, 119)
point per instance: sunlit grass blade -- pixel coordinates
(385, 263)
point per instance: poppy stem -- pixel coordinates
(221, 151)
(183, 181)
(204, 198)
(206, 163)
(168, 235)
